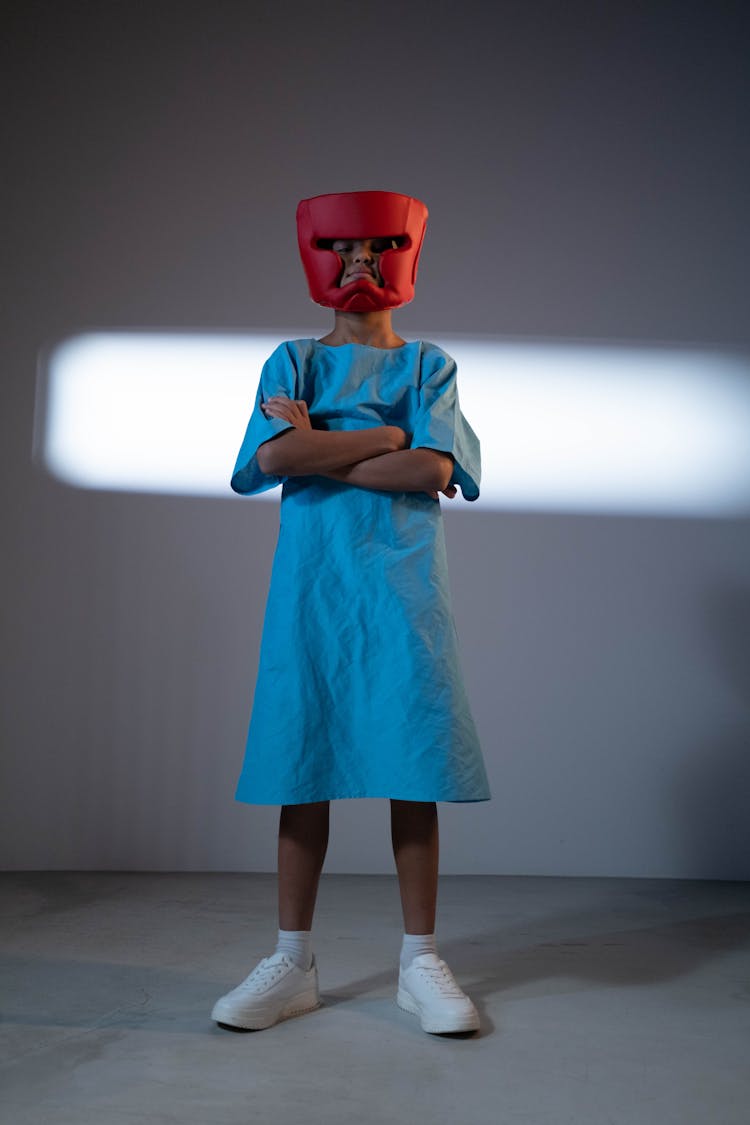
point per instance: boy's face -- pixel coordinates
(361, 258)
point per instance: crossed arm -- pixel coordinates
(373, 458)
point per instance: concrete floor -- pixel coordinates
(603, 1001)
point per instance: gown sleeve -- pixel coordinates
(440, 425)
(278, 377)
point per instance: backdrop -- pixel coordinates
(586, 169)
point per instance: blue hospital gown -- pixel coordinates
(359, 690)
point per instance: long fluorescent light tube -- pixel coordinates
(563, 427)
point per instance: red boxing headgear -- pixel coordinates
(361, 214)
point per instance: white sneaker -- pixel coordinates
(276, 989)
(429, 990)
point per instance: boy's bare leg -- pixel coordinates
(414, 834)
(303, 841)
(426, 986)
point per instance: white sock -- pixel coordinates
(414, 944)
(297, 944)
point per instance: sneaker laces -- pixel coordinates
(266, 972)
(441, 979)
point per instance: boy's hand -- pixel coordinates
(450, 492)
(289, 409)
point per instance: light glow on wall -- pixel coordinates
(563, 427)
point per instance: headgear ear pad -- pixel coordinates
(361, 214)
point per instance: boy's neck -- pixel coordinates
(373, 328)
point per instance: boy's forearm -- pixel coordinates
(299, 452)
(406, 470)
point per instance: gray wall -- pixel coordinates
(586, 168)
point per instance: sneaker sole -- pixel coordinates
(436, 1026)
(260, 1020)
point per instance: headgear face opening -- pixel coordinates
(357, 215)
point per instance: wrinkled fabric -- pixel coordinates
(359, 690)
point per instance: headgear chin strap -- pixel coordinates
(361, 214)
